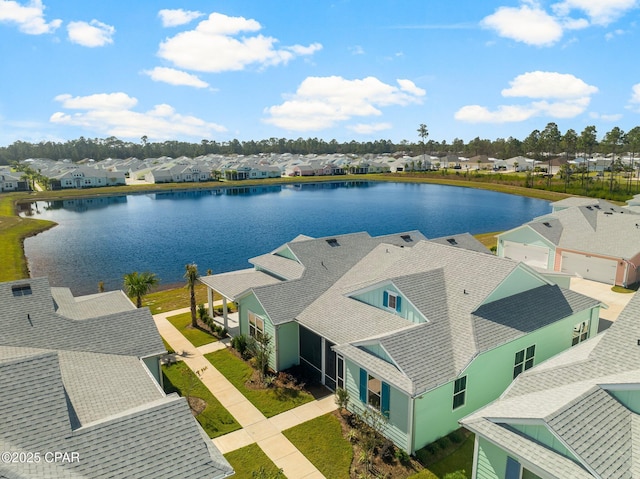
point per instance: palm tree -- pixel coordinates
(191, 275)
(138, 284)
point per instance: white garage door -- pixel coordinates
(527, 253)
(590, 267)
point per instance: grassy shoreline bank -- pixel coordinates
(15, 229)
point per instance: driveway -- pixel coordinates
(616, 302)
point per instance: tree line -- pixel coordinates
(539, 143)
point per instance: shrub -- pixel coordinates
(240, 344)
(457, 436)
(387, 452)
(443, 442)
(402, 456)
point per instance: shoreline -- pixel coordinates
(32, 226)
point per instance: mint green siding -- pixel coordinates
(378, 351)
(397, 427)
(630, 398)
(487, 377)
(491, 462)
(287, 345)
(375, 298)
(540, 433)
(518, 281)
(286, 253)
(524, 235)
(251, 303)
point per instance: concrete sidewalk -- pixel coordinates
(267, 433)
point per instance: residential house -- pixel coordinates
(599, 241)
(422, 332)
(575, 416)
(81, 376)
(85, 177)
(12, 182)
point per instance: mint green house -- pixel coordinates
(424, 332)
(576, 416)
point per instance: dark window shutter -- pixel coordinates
(384, 401)
(363, 386)
(385, 299)
(398, 303)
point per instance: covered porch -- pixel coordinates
(231, 286)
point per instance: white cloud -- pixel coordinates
(213, 47)
(600, 12)
(527, 24)
(548, 85)
(92, 34)
(29, 18)
(175, 77)
(112, 114)
(606, 117)
(356, 50)
(322, 102)
(366, 129)
(611, 35)
(558, 95)
(634, 101)
(177, 17)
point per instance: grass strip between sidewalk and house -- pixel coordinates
(461, 459)
(270, 401)
(321, 441)
(248, 460)
(214, 419)
(196, 336)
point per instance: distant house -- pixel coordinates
(81, 375)
(575, 416)
(12, 182)
(423, 332)
(303, 170)
(597, 241)
(86, 177)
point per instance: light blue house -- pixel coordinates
(575, 416)
(424, 332)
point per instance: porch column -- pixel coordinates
(210, 300)
(224, 312)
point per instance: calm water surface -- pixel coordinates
(101, 239)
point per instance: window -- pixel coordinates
(580, 332)
(459, 392)
(21, 290)
(524, 360)
(391, 300)
(374, 392)
(256, 326)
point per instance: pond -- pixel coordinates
(102, 238)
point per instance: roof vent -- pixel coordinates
(452, 241)
(333, 242)
(406, 238)
(547, 224)
(589, 208)
(596, 207)
(608, 213)
(21, 290)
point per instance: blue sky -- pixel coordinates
(346, 70)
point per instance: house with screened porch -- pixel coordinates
(423, 331)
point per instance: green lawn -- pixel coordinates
(215, 419)
(249, 459)
(269, 401)
(460, 459)
(197, 337)
(321, 439)
(175, 298)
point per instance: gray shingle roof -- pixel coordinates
(610, 232)
(89, 306)
(79, 385)
(448, 286)
(31, 321)
(569, 394)
(234, 283)
(462, 240)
